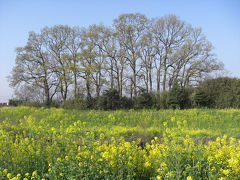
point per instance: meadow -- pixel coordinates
(41, 143)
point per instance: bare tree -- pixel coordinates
(33, 67)
(130, 28)
(55, 41)
(148, 57)
(135, 54)
(74, 45)
(169, 33)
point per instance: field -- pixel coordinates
(39, 143)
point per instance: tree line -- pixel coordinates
(135, 55)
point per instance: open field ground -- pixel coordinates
(38, 143)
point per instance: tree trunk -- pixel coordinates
(46, 92)
(164, 77)
(111, 74)
(88, 89)
(75, 84)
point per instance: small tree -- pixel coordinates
(201, 99)
(126, 103)
(162, 100)
(145, 100)
(110, 100)
(176, 97)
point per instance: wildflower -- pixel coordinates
(34, 174)
(189, 178)
(9, 175)
(15, 178)
(165, 123)
(226, 172)
(147, 164)
(222, 178)
(169, 174)
(159, 177)
(67, 158)
(163, 164)
(101, 136)
(5, 171)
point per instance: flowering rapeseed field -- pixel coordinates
(39, 143)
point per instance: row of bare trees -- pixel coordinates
(135, 53)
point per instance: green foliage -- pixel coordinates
(110, 100)
(162, 100)
(221, 92)
(77, 103)
(201, 99)
(91, 103)
(126, 103)
(145, 100)
(15, 102)
(213, 93)
(176, 97)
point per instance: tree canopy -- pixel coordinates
(133, 54)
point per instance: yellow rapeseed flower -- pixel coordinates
(147, 164)
(226, 172)
(9, 175)
(5, 171)
(34, 174)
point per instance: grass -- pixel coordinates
(130, 123)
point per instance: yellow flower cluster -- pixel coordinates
(38, 143)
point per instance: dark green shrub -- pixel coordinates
(201, 99)
(110, 100)
(176, 97)
(223, 92)
(145, 100)
(126, 103)
(15, 102)
(162, 100)
(77, 103)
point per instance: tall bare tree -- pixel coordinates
(56, 38)
(130, 28)
(170, 32)
(74, 45)
(33, 67)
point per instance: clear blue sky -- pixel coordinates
(219, 20)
